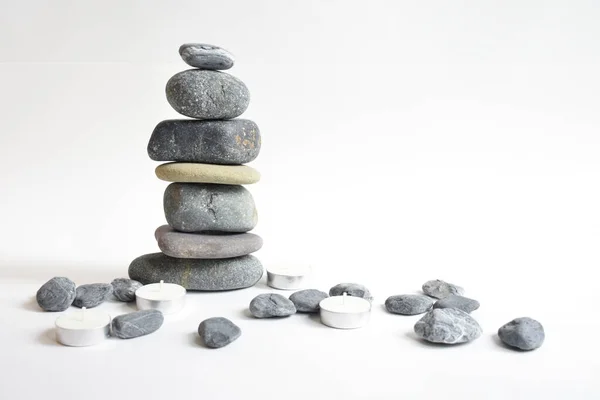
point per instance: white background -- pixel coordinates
(402, 141)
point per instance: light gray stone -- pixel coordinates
(56, 295)
(440, 289)
(351, 289)
(218, 332)
(136, 324)
(206, 56)
(447, 325)
(307, 301)
(124, 289)
(92, 295)
(409, 304)
(522, 333)
(462, 303)
(270, 305)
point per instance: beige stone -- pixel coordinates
(207, 173)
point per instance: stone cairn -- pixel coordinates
(206, 244)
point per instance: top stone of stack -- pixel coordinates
(206, 56)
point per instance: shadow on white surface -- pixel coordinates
(48, 338)
(32, 305)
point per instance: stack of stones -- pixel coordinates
(206, 244)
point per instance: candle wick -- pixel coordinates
(161, 285)
(344, 298)
(83, 313)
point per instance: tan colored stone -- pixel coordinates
(207, 173)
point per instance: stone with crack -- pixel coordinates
(448, 326)
(206, 56)
(56, 295)
(136, 324)
(409, 304)
(92, 295)
(307, 300)
(270, 305)
(440, 289)
(522, 333)
(351, 289)
(124, 289)
(218, 332)
(462, 303)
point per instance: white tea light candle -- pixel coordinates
(287, 278)
(345, 312)
(82, 328)
(166, 297)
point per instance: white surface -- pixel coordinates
(402, 142)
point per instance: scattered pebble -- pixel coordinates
(56, 295)
(447, 325)
(440, 289)
(206, 56)
(307, 301)
(409, 304)
(218, 332)
(522, 333)
(92, 295)
(462, 303)
(271, 305)
(137, 324)
(351, 289)
(124, 289)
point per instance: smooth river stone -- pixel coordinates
(440, 289)
(448, 326)
(197, 274)
(522, 333)
(205, 94)
(351, 289)
(56, 295)
(124, 289)
(92, 295)
(307, 301)
(271, 305)
(207, 173)
(218, 332)
(199, 245)
(409, 304)
(136, 324)
(213, 142)
(462, 303)
(206, 56)
(207, 207)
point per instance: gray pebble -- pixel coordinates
(409, 304)
(136, 324)
(124, 289)
(218, 332)
(447, 325)
(206, 56)
(270, 305)
(307, 301)
(56, 295)
(462, 303)
(440, 289)
(204, 94)
(522, 333)
(207, 207)
(351, 289)
(92, 295)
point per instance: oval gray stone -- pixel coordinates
(218, 332)
(409, 304)
(440, 289)
(198, 245)
(206, 56)
(197, 274)
(522, 333)
(269, 305)
(124, 289)
(447, 325)
(92, 295)
(207, 207)
(205, 94)
(307, 300)
(351, 289)
(56, 295)
(233, 142)
(462, 303)
(136, 324)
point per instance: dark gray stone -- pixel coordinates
(270, 305)
(307, 301)
(92, 295)
(440, 289)
(197, 245)
(206, 56)
(462, 303)
(124, 289)
(212, 142)
(208, 207)
(205, 94)
(56, 295)
(409, 304)
(522, 333)
(197, 274)
(447, 325)
(136, 324)
(218, 332)
(351, 289)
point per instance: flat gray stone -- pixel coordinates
(440, 289)
(462, 303)
(136, 324)
(447, 325)
(351, 289)
(409, 304)
(206, 56)
(198, 245)
(218, 332)
(92, 295)
(56, 295)
(233, 142)
(522, 333)
(207, 207)
(197, 274)
(124, 289)
(271, 305)
(307, 301)
(204, 94)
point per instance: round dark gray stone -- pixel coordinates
(206, 56)
(462, 303)
(440, 289)
(218, 332)
(124, 289)
(447, 325)
(307, 301)
(92, 295)
(205, 94)
(136, 324)
(270, 305)
(56, 295)
(351, 289)
(522, 333)
(409, 304)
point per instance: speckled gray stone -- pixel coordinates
(231, 142)
(218, 332)
(447, 325)
(440, 289)
(409, 304)
(136, 324)
(522, 333)
(207, 207)
(462, 303)
(92, 295)
(197, 274)
(307, 301)
(204, 94)
(351, 289)
(206, 56)
(270, 305)
(198, 245)
(56, 295)
(124, 289)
